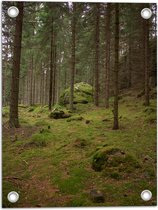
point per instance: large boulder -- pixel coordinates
(82, 94)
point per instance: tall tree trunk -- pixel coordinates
(96, 72)
(41, 82)
(73, 38)
(3, 85)
(130, 57)
(65, 79)
(43, 85)
(46, 87)
(38, 89)
(51, 68)
(31, 81)
(13, 118)
(27, 90)
(54, 74)
(34, 86)
(146, 61)
(116, 67)
(58, 83)
(107, 53)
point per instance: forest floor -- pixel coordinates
(49, 162)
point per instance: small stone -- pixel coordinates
(97, 196)
(42, 130)
(122, 152)
(87, 121)
(106, 120)
(38, 205)
(146, 158)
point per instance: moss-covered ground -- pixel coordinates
(49, 162)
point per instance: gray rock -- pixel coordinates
(59, 114)
(97, 196)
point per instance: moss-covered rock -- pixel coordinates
(75, 118)
(82, 94)
(114, 162)
(59, 113)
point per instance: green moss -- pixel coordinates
(115, 175)
(31, 109)
(79, 201)
(151, 118)
(65, 162)
(74, 182)
(114, 162)
(75, 118)
(149, 110)
(82, 94)
(41, 139)
(5, 111)
(101, 157)
(42, 123)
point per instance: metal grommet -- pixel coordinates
(146, 13)
(13, 197)
(146, 195)
(13, 11)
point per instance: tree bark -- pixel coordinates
(130, 57)
(13, 118)
(54, 74)
(107, 53)
(51, 68)
(96, 72)
(73, 38)
(31, 81)
(46, 87)
(116, 67)
(146, 61)
(41, 82)
(34, 86)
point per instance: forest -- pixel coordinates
(79, 90)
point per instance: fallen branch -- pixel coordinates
(11, 177)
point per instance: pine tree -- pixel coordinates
(96, 71)
(73, 45)
(146, 61)
(107, 52)
(116, 67)
(13, 118)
